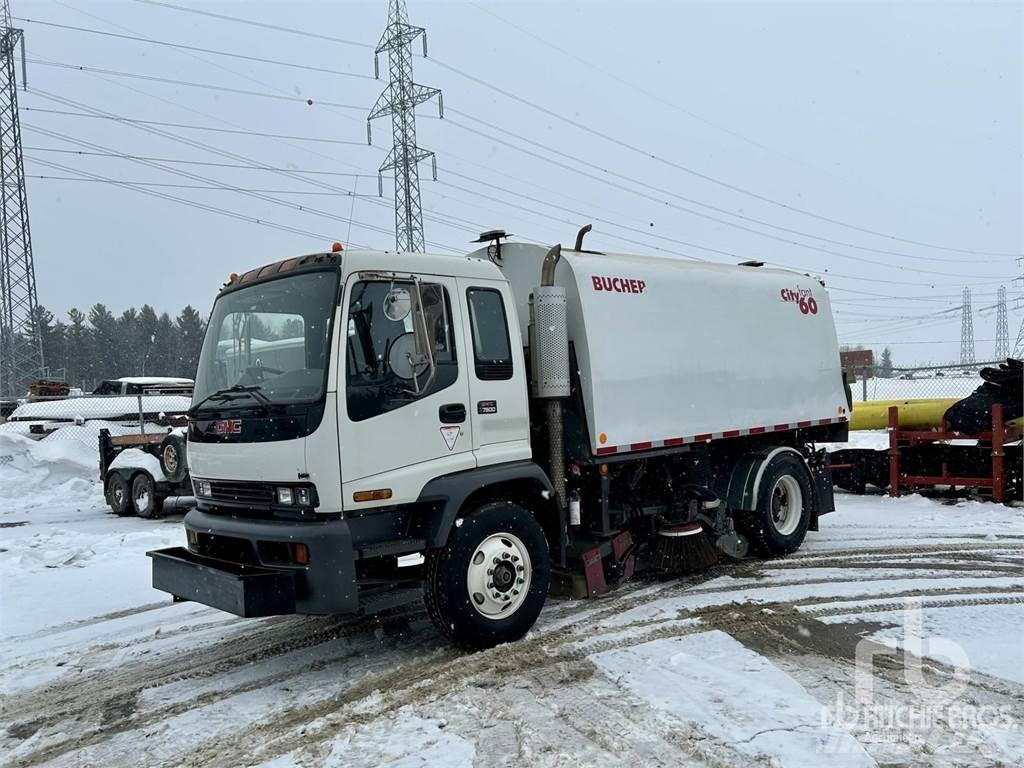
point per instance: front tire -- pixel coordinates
(784, 505)
(487, 585)
(144, 497)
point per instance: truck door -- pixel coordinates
(404, 419)
(497, 381)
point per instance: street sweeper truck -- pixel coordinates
(368, 427)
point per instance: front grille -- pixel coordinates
(240, 492)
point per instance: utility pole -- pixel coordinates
(399, 99)
(1018, 346)
(21, 350)
(1002, 327)
(967, 331)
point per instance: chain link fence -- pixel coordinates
(80, 419)
(943, 381)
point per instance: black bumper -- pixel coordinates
(243, 590)
(251, 580)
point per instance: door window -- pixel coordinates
(399, 345)
(492, 352)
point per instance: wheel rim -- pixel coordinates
(171, 458)
(787, 505)
(142, 501)
(499, 575)
(119, 494)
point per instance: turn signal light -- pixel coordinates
(380, 494)
(300, 554)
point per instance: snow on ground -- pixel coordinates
(748, 664)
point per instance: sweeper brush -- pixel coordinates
(682, 549)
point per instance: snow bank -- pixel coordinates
(736, 696)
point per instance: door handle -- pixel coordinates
(452, 413)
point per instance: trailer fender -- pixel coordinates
(745, 482)
(522, 481)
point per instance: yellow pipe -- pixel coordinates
(914, 414)
(922, 413)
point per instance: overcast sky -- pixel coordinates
(902, 119)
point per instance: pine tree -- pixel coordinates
(106, 343)
(190, 328)
(79, 359)
(885, 367)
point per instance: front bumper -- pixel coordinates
(237, 566)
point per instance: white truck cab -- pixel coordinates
(356, 406)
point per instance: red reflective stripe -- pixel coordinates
(606, 451)
(700, 438)
(802, 424)
(640, 446)
(674, 441)
(731, 433)
(758, 430)
(823, 422)
(780, 427)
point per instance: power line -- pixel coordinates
(191, 84)
(212, 187)
(192, 127)
(644, 153)
(206, 163)
(690, 200)
(196, 49)
(604, 181)
(260, 24)
(193, 204)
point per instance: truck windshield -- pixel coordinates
(272, 337)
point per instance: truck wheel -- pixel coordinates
(144, 496)
(119, 495)
(488, 584)
(173, 462)
(784, 505)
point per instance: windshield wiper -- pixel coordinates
(228, 394)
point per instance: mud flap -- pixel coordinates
(609, 564)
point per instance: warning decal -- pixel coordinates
(450, 435)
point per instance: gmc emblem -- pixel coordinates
(227, 427)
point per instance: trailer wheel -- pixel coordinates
(147, 504)
(119, 495)
(785, 500)
(173, 462)
(487, 585)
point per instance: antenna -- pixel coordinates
(967, 331)
(21, 351)
(399, 100)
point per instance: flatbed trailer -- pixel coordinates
(140, 472)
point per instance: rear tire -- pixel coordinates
(173, 458)
(784, 504)
(119, 495)
(144, 497)
(487, 585)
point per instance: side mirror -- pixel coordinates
(397, 304)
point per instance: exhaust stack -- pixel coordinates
(549, 355)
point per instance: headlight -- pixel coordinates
(302, 496)
(284, 495)
(202, 487)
